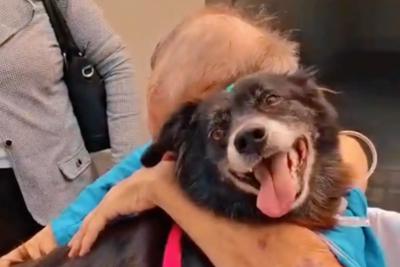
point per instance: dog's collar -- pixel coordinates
(230, 88)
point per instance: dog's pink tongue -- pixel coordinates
(278, 188)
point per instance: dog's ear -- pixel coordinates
(171, 135)
(314, 94)
(301, 77)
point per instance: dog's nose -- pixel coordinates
(251, 140)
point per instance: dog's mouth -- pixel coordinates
(247, 178)
(278, 179)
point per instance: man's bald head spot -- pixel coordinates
(207, 51)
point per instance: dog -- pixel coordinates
(266, 152)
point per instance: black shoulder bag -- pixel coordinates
(86, 88)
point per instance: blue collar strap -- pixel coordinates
(230, 88)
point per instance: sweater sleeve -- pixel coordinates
(68, 222)
(105, 49)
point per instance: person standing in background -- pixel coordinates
(43, 161)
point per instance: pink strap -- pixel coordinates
(172, 253)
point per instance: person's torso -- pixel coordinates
(38, 130)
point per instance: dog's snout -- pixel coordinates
(251, 140)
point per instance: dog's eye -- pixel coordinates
(272, 99)
(217, 134)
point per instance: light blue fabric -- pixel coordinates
(70, 219)
(355, 246)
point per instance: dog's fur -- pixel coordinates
(202, 157)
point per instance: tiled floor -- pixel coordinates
(370, 102)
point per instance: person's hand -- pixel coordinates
(132, 195)
(40, 244)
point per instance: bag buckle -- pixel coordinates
(88, 71)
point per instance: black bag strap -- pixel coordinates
(61, 30)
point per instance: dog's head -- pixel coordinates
(268, 149)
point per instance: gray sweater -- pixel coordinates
(38, 130)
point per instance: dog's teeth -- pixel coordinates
(241, 175)
(293, 158)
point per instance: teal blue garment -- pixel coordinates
(355, 245)
(70, 219)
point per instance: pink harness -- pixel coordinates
(172, 253)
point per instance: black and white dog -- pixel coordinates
(266, 151)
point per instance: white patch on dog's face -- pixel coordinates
(278, 134)
(280, 138)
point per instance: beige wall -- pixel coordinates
(141, 23)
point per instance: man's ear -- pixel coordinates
(171, 135)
